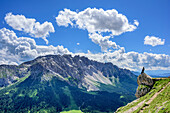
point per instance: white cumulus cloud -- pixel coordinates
(15, 50)
(96, 20)
(153, 41)
(29, 25)
(103, 42)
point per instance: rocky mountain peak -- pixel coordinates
(77, 71)
(65, 82)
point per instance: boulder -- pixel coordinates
(142, 90)
(144, 79)
(145, 83)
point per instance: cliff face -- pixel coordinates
(145, 83)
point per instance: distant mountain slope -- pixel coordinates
(155, 101)
(160, 75)
(154, 75)
(57, 83)
(77, 71)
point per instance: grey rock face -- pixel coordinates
(142, 90)
(144, 79)
(8, 74)
(145, 83)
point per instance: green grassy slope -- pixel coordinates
(30, 94)
(72, 111)
(160, 104)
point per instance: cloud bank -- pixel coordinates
(29, 25)
(15, 50)
(153, 41)
(132, 60)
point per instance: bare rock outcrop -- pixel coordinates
(142, 90)
(144, 79)
(145, 83)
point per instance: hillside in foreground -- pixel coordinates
(157, 100)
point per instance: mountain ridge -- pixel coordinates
(105, 73)
(56, 83)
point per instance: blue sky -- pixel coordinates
(152, 15)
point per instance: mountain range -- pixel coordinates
(56, 83)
